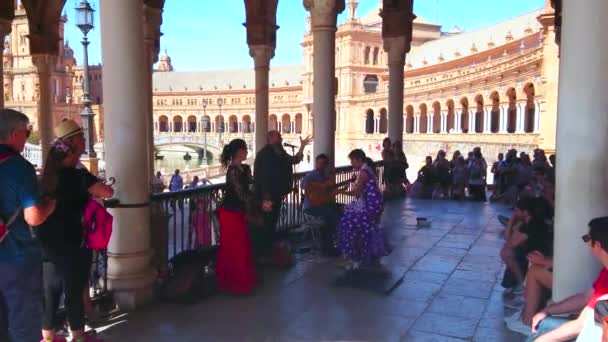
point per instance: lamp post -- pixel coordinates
(84, 21)
(68, 100)
(220, 102)
(205, 123)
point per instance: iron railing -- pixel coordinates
(187, 219)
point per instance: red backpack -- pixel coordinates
(5, 225)
(98, 225)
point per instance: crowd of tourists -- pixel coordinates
(43, 254)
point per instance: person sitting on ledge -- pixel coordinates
(424, 185)
(325, 208)
(546, 327)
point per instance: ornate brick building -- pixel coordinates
(495, 87)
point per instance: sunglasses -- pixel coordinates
(586, 238)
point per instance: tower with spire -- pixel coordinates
(164, 63)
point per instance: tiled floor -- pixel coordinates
(451, 292)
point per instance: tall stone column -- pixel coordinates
(521, 116)
(5, 29)
(444, 122)
(262, 54)
(504, 111)
(472, 122)
(582, 124)
(44, 65)
(130, 275)
(430, 123)
(396, 48)
(458, 121)
(151, 28)
(323, 14)
(487, 119)
(417, 123)
(537, 111)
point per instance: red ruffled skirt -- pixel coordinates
(235, 269)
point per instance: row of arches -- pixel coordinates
(192, 124)
(508, 115)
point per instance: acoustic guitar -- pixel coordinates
(321, 193)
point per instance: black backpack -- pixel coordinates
(192, 277)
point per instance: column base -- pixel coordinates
(134, 291)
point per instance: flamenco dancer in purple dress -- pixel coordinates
(361, 240)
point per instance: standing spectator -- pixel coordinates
(177, 182)
(273, 180)
(496, 170)
(477, 170)
(459, 175)
(441, 171)
(20, 254)
(66, 260)
(158, 184)
(194, 184)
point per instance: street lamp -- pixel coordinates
(84, 21)
(68, 100)
(220, 102)
(205, 123)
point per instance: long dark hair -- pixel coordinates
(231, 150)
(54, 163)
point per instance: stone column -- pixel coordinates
(537, 111)
(444, 122)
(151, 28)
(323, 14)
(430, 123)
(130, 275)
(458, 121)
(504, 114)
(396, 47)
(582, 124)
(5, 29)
(521, 116)
(417, 123)
(472, 122)
(487, 119)
(44, 65)
(262, 54)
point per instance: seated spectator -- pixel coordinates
(459, 178)
(533, 235)
(546, 327)
(424, 185)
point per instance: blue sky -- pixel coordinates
(209, 35)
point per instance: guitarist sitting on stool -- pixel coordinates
(319, 199)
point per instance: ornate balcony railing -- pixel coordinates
(33, 153)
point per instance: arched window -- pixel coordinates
(370, 84)
(191, 124)
(383, 121)
(177, 124)
(369, 121)
(409, 119)
(163, 124)
(298, 123)
(272, 123)
(286, 124)
(246, 124)
(366, 54)
(376, 53)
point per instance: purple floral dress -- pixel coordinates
(360, 237)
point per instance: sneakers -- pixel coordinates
(515, 324)
(503, 220)
(518, 289)
(515, 303)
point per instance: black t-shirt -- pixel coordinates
(540, 237)
(63, 232)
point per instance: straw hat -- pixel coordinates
(67, 129)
